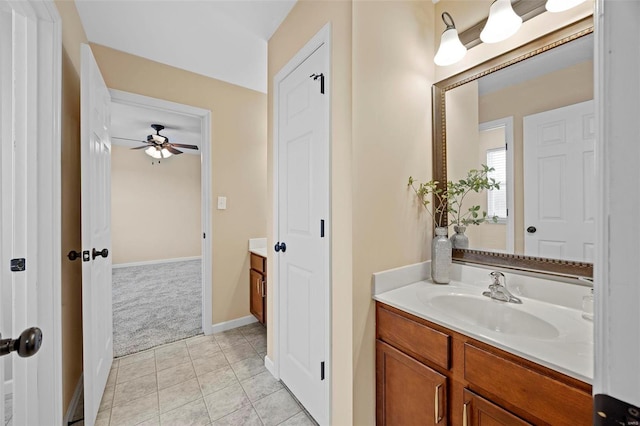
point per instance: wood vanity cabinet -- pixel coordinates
(258, 288)
(427, 374)
(409, 392)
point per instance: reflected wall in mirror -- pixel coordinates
(533, 122)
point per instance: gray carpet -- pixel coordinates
(155, 304)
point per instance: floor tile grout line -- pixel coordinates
(155, 363)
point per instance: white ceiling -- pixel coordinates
(564, 56)
(222, 39)
(133, 122)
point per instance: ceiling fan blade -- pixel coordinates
(181, 145)
(127, 139)
(142, 147)
(172, 149)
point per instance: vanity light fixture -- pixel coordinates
(502, 23)
(451, 49)
(561, 5)
(157, 153)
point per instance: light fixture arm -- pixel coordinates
(451, 24)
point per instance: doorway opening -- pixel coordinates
(161, 284)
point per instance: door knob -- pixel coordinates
(280, 247)
(26, 345)
(104, 253)
(531, 229)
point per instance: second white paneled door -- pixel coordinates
(97, 322)
(559, 181)
(303, 231)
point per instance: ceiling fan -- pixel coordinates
(158, 146)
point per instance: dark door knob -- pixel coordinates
(104, 253)
(531, 229)
(26, 345)
(280, 247)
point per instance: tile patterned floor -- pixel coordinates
(204, 380)
(8, 410)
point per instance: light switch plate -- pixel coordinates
(222, 203)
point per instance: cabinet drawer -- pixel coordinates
(537, 394)
(258, 263)
(420, 341)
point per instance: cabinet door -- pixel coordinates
(478, 411)
(256, 305)
(408, 392)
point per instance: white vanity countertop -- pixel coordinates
(258, 246)
(570, 352)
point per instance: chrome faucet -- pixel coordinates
(498, 291)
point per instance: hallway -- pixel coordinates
(203, 380)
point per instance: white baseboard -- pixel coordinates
(229, 325)
(155, 262)
(270, 366)
(8, 386)
(75, 399)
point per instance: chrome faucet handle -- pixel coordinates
(496, 275)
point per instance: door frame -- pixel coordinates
(204, 115)
(43, 106)
(322, 37)
(507, 123)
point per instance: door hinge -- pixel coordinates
(18, 265)
(322, 370)
(322, 228)
(321, 77)
(204, 235)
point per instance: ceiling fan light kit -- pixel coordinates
(158, 146)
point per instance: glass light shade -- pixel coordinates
(562, 5)
(451, 48)
(157, 154)
(503, 22)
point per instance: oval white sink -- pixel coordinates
(494, 315)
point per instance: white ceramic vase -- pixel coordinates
(459, 240)
(440, 257)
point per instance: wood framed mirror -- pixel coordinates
(524, 112)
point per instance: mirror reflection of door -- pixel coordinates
(559, 180)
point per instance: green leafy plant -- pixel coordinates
(427, 191)
(451, 199)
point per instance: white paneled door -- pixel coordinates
(96, 234)
(560, 182)
(303, 209)
(30, 354)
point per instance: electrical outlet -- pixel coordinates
(222, 203)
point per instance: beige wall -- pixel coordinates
(381, 125)
(466, 13)
(238, 159)
(72, 35)
(155, 208)
(392, 78)
(561, 88)
(305, 19)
